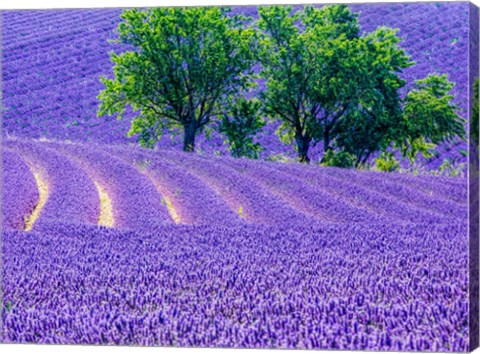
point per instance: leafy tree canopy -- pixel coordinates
(182, 66)
(241, 126)
(430, 116)
(327, 82)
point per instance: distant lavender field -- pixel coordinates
(52, 61)
(105, 242)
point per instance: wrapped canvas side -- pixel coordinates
(473, 176)
(1, 187)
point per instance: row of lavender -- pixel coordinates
(149, 189)
(52, 61)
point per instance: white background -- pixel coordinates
(45, 4)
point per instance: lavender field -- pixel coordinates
(135, 247)
(106, 242)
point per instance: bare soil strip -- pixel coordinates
(42, 186)
(105, 217)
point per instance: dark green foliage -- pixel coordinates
(387, 162)
(338, 159)
(474, 121)
(184, 66)
(371, 120)
(329, 83)
(430, 117)
(8, 306)
(241, 126)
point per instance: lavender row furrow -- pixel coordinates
(31, 34)
(72, 196)
(44, 19)
(135, 201)
(324, 199)
(247, 198)
(440, 187)
(58, 75)
(205, 190)
(20, 193)
(380, 194)
(196, 202)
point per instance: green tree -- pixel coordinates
(430, 117)
(325, 81)
(182, 67)
(416, 124)
(241, 126)
(370, 122)
(338, 159)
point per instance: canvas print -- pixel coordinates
(295, 177)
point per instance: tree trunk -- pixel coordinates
(303, 144)
(326, 140)
(189, 136)
(365, 159)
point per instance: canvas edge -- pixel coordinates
(473, 213)
(473, 184)
(1, 184)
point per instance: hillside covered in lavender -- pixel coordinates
(107, 242)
